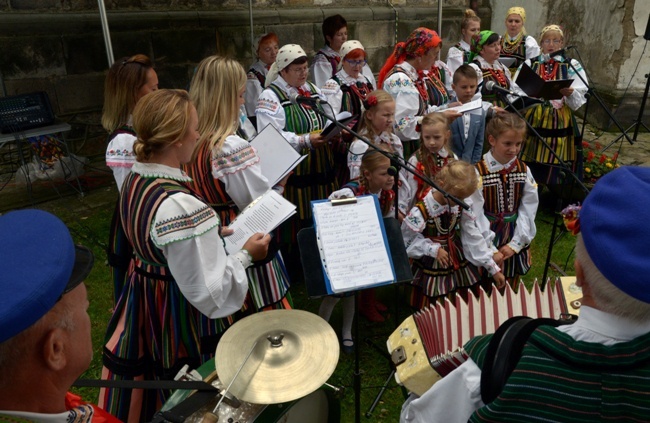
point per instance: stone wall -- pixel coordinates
(60, 49)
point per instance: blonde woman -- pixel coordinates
(225, 168)
(182, 280)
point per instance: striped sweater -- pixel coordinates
(559, 379)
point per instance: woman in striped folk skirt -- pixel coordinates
(554, 119)
(183, 283)
(225, 170)
(315, 177)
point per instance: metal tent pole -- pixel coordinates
(106, 32)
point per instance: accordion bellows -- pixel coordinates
(428, 344)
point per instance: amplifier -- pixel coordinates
(25, 111)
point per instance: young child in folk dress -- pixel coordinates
(444, 240)
(377, 178)
(508, 196)
(377, 127)
(433, 154)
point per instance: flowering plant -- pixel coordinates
(571, 218)
(596, 163)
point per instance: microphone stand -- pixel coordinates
(565, 169)
(592, 92)
(395, 159)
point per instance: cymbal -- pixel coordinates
(302, 363)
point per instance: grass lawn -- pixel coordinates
(89, 218)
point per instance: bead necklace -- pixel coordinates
(510, 47)
(499, 76)
(548, 71)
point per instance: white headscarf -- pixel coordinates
(346, 48)
(286, 55)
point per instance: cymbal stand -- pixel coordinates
(212, 417)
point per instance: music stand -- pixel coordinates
(315, 282)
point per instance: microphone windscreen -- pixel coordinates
(392, 170)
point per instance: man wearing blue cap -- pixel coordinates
(45, 342)
(596, 369)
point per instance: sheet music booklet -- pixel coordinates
(263, 215)
(352, 243)
(277, 155)
(344, 118)
(535, 86)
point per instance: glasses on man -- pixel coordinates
(549, 42)
(356, 62)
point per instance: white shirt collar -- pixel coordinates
(157, 170)
(493, 164)
(348, 80)
(598, 326)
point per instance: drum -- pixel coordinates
(321, 406)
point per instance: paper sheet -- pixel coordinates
(352, 244)
(262, 215)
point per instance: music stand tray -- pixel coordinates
(313, 270)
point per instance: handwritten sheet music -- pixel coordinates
(262, 215)
(352, 244)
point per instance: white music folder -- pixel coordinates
(277, 155)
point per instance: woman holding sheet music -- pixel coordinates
(182, 280)
(225, 169)
(314, 178)
(554, 119)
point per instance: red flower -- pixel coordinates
(603, 158)
(598, 146)
(615, 156)
(371, 101)
(590, 156)
(585, 144)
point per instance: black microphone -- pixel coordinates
(493, 86)
(296, 98)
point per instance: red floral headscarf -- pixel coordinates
(416, 45)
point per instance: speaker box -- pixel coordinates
(647, 30)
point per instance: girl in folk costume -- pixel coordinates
(406, 76)
(485, 59)
(509, 196)
(376, 126)
(267, 51)
(346, 92)
(554, 119)
(225, 169)
(314, 177)
(444, 240)
(459, 54)
(128, 80)
(434, 153)
(377, 178)
(327, 60)
(182, 280)
(516, 43)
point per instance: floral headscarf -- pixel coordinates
(417, 44)
(478, 41)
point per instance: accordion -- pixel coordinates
(428, 345)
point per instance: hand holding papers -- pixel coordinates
(262, 215)
(352, 244)
(277, 156)
(332, 130)
(472, 105)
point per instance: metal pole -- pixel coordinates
(440, 18)
(250, 12)
(106, 32)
